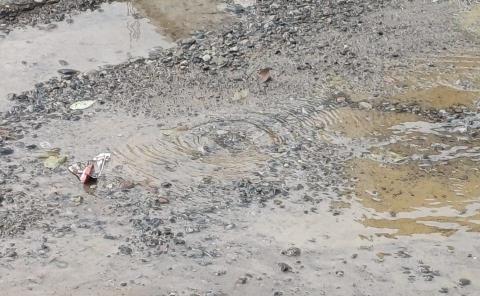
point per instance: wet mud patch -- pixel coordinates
(357, 123)
(420, 177)
(395, 188)
(438, 82)
(441, 97)
(470, 20)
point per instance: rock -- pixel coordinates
(162, 201)
(284, 267)
(443, 290)
(6, 151)
(67, 72)
(166, 184)
(207, 58)
(230, 226)
(292, 252)
(464, 282)
(365, 105)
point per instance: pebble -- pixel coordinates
(464, 282)
(6, 151)
(242, 280)
(284, 267)
(443, 290)
(365, 106)
(292, 252)
(207, 58)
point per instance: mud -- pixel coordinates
(353, 171)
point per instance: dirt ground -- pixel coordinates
(276, 147)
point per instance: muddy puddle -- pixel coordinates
(110, 35)
(412, 175)
(113, 34)
(439, 82)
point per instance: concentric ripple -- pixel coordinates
(224, 148)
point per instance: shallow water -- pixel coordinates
(179, 18)
(110, 35)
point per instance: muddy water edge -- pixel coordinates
(353, 171)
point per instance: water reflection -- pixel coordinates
(110, 35)
(413, 175)
(179, 18)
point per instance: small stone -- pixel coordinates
(340, 273)
(123, 284)
(67, 72)
(6, 151)
(365, 105)
(464, 282)
(166, 185)
(284, 267)
(230, 226)
(443, 290)
(207, 58)
(162, 201)
(292, 252)
(242, 280)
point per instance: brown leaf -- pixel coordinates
(265, 75)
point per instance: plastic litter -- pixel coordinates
(80, 105)
(92, 170)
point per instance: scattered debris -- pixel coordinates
(81, 105)
(54, 161)
(52, 158)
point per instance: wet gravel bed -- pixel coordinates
(33, 12)
(305, 43)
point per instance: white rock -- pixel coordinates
(207, 58)
(365, 105)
